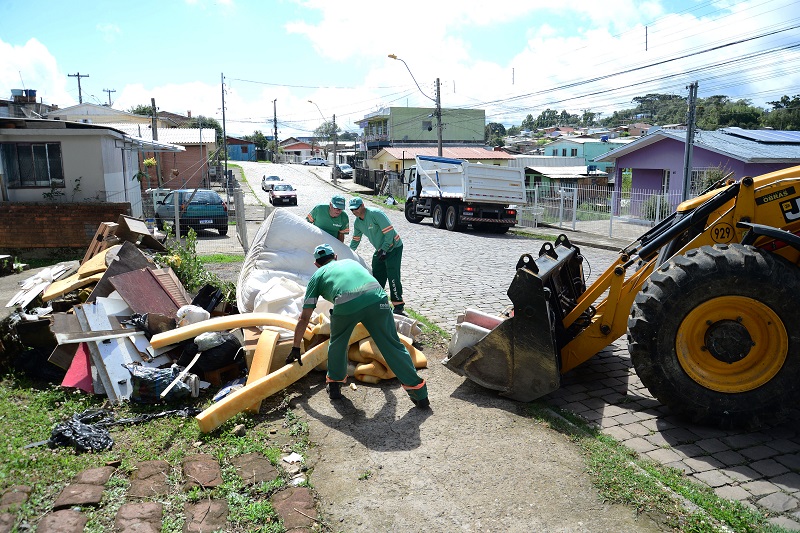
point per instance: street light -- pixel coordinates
(335, 164)
(436, 100)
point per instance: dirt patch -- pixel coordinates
(473, 462)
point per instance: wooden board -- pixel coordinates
(143, 293)
(135, 230)
(63, 286)
(128, 258)
(103, 238)
(100, 378)
(97, 263)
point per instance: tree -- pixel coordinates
(205, 122)
(348, 136)
(785, 114)
(258, 139)
(494, 129)
(528, 123)
(142, 109)
(513, 130)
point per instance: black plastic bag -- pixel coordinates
(219, 350)
(85, 431)
(147, 384)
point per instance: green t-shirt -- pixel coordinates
(321, 217)
(378, 229)
(345, 283)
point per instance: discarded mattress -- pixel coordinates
(280, 262)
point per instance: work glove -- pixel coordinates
(382, 255)
(294, 355)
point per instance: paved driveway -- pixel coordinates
(446, 272)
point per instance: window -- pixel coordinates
(564, 152)
(244, 149)
(573, 152)
(33, 164)
(555, 151)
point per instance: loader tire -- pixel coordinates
(438, 216)
(714, 334)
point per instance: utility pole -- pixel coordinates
(275, 125)
(438, 117)
(224, 135)
(109, 91)
(687, 156)
(154, 127)
(79, 76)
(335, 162)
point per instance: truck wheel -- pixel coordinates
(451, 219)
(714, 334)
(438, 216)
(410, 215)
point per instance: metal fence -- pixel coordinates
(597, 209)
(209, 241)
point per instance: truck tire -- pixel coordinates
(714, 334)
(438, 216)
(451, 219)
(410, 215)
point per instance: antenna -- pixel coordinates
(109, 91)
(20, 78)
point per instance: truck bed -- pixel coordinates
(470, 182)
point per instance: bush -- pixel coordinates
(656, 207)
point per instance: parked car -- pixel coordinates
(283, 193)
(267, 182)
(198, 208)
(316, 161)
(345, 170)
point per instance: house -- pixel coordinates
(241, 149)
(23, 104)
(587, 148)
(396, 159)
(638, 129)
(294, 150)
(417, 126)
(100, 114)
(656, 160)
(187, 168)
(84, 173)
(566, 176)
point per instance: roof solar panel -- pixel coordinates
(766, 136)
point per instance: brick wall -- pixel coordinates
(54, 225)
(191, 170)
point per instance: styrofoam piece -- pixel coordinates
(484, 320)
(283, 247)
(466, 335)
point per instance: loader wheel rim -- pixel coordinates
(732, 344)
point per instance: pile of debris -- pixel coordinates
(121, 325)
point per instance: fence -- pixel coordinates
(232, 239)
(597, 209)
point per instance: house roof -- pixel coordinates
(182, 136)
(456, 152)
(730, 142)
(585, 139)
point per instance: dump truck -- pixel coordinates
(456, 194)
(707, 299)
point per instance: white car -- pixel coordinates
(268, 182)
(316, 161)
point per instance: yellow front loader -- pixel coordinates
(709, 298)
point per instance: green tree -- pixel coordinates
(513, 130)
(528, 123)
(142, 109)
(258, 139)
(785, 114)
(205, 122)
(348, 136)
(492, 130)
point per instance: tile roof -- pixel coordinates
(455, 152)
(182, 136)
(722, 141)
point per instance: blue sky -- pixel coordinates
(509, 59)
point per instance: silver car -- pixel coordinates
(316, 161)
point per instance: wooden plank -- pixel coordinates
(167, 279)
(103, 238)
(135, 230)
(96, 263)
(128, 258)
(143, 293)
(63, 286)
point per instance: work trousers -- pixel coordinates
(379, 321)
(389, 269)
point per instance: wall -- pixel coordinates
(54, 225)
(191, 166)
(464, 125)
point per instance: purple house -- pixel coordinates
(656, 160)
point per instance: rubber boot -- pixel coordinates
(334, 390)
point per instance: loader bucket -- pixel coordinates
(520, 357)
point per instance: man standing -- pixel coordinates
(356, 297)
(374, 223)
(331, 217)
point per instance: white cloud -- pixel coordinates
(32, 66)
(110, 31)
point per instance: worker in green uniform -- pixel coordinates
(356, 297)
(331, 217)
(388, 256)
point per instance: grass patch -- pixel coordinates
(29, 411)
(220, 258)
(427, 323)
(621, 476)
